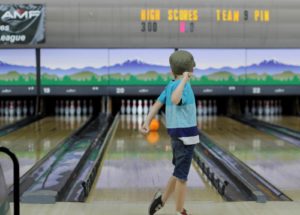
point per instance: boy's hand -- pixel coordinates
(145, 128)
(187, 75)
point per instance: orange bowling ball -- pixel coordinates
(152, 137)
(154, 125)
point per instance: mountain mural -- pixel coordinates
(17, 75)
(136, 72)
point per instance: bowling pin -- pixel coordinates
(25, 109)
(31, 108)
(267, 108)
(140, 107)
(91, 107)
(209, 109)
(84, 108)
(2, 108)
(128, 107)
(134, 109)
(18, 111)
(199, 108)
(72, 108)
(78, 108)
(204, 108)
(67, 108)
(146, 109)
(122, 107)
(6, 110)
(271, 108)
(11, 109)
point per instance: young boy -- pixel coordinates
(181, 123)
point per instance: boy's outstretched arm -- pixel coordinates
(153, 111)
(177, 94)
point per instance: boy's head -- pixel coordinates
(181, 61)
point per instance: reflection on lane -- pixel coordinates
(291, 122)
(8, 120)
(276, 160)
(135, 166)
(34, 141)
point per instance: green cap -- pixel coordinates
(181, 61)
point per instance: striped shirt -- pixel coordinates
(181, 119)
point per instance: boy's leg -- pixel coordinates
(169, 189)
(180, 193)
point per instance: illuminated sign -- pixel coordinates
(183, 15)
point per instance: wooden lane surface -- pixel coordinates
(32, 142)
(136, 166)
(276, 160)
(291, 122)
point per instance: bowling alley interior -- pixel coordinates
(78, 79)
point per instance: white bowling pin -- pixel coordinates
(128, 108)
(134, 109)
(25, 109)
(199, 108)
(271, 108)
(11, 109)
(67, 108)
(78, 108)
(2, 108)
(140, 107)
(6, 108)
(84, 108)
(122, 107)
(146, 109)
(204, 108)
(267, 108)
(18, 111)
(72, 108)
(209, 109)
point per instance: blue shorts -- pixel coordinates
(182, 158)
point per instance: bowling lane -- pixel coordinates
(34, 141)
(8, 120)
(292, 122)
(274, 159)
(136, 166)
